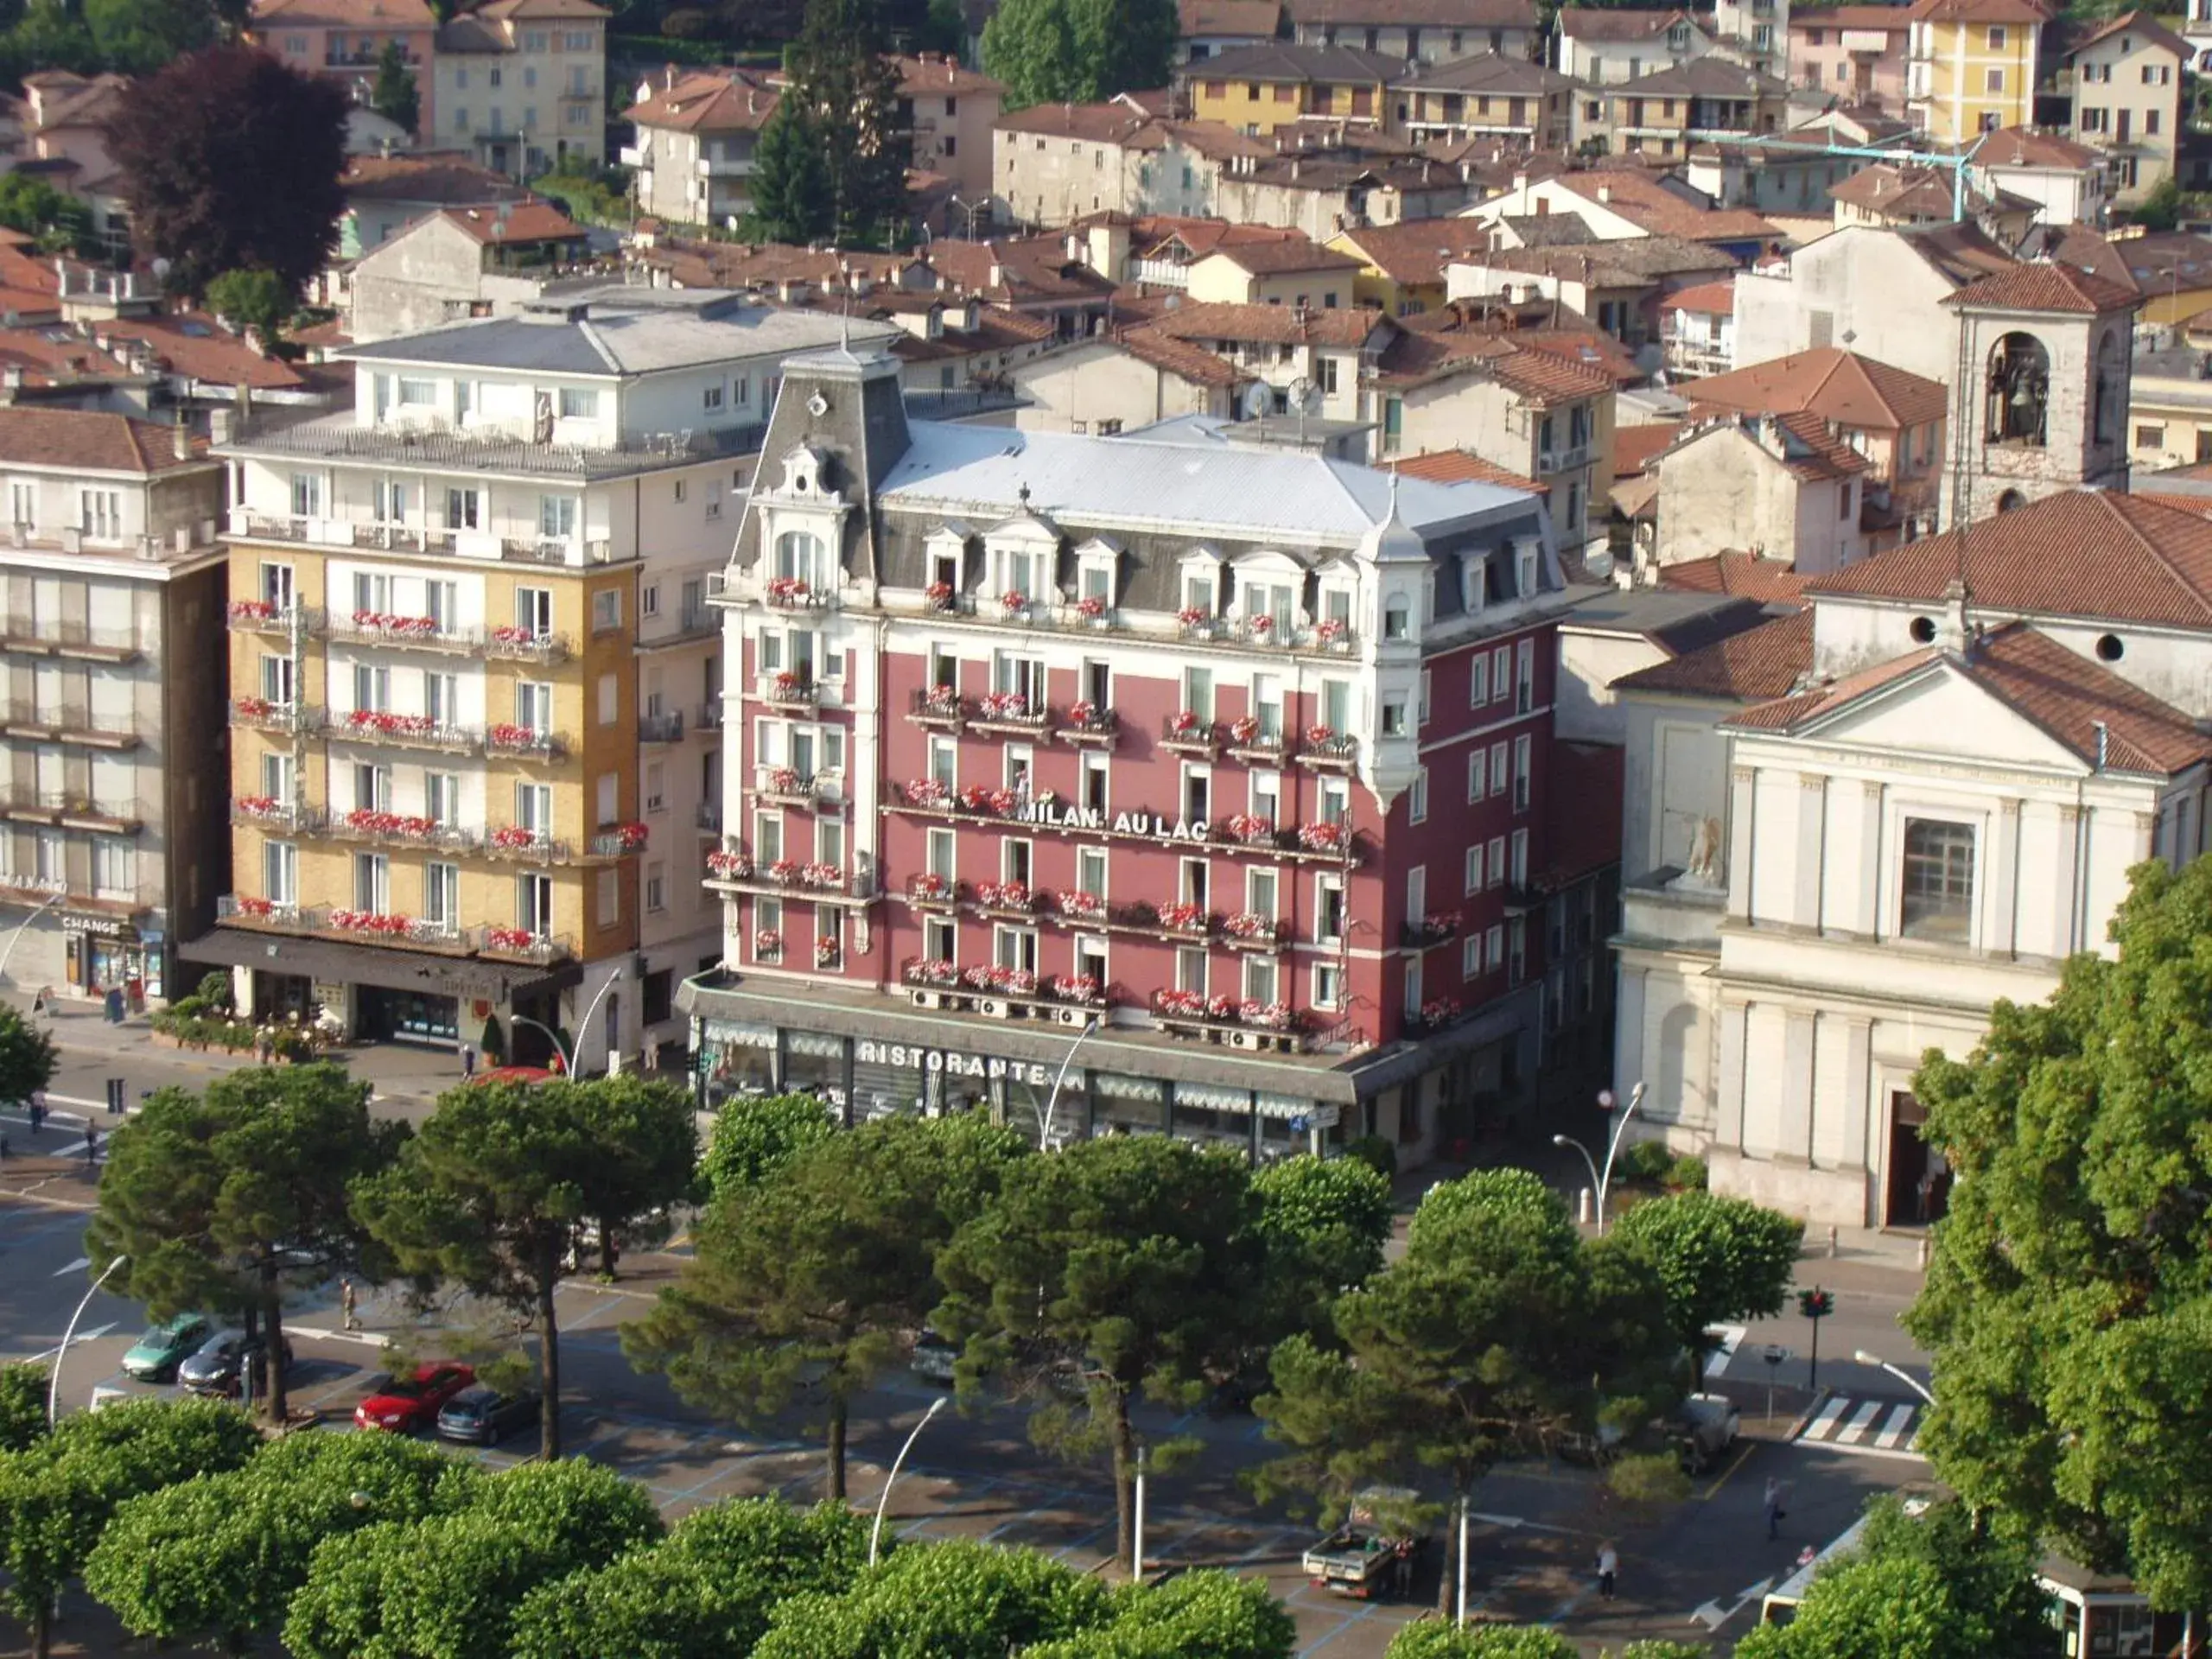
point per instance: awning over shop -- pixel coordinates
(368, 964)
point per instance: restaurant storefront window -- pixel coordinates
(1279, 1135)
(1210, 1116)
(1122, 1105)
(735, 1058)
(814, 1064)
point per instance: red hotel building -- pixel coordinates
(1236, 750)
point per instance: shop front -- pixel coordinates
(104, 953)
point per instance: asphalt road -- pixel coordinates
(975, 1474)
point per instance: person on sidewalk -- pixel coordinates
(468, 1060)
(92, 1144)
(38, 1113)
(346, 1304)
(1609, 1567)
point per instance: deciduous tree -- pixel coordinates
(488, 1196)
(705, 1593)
(809, 1288)
(1079, 51)
(1323, 1224)
(1122, 1264)
(221, 1201)
(1440, 1641)
(136, 37)
(395, 96)
(214, 1560)
(230, 161)
(755, 1138)
(1496, 1328)
(22, 1405)
(27, 1057)
(2068, 1305)
(56, 1498)
(1717, 1259)
(1207, 1614)
(449, 1586)
(957, 1600)
(651, 1135)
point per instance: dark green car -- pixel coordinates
(156, 1356)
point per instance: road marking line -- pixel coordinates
(81, 1262)
(1749, 1447)
(1861, 1420)
(1730, 1335)
(1893, 1431)
(82, 1335)
(1819, 1427)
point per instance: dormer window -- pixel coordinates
(1525, 571)
(1474, 583)
(802, 558)
(1018, 570)
(1199, 582)
(1097, 571)
(803, 472)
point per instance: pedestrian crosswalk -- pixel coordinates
(1851, 1424)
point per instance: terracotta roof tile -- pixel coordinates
(1448, 14)
(1979, 11)
(1708, 77)
(1634, 447)
(523, 221)
(1891, 18)
(2136, 24)
(1278, 60)
(1258, 18)
(1638, 197)
(349, 13)
(1639, 23)
(1710, 299)
(1753, 666)
(2086, 553)
(1274, 325)
(718, 100)
(1414, 356)
(109, 443)
(2045, 288)
(1773, 582)
(1288, 254)
(2016, 147)
(2199, 505)
(1828, 381)
(1416, 250)
(2099, 717)
(446, 176)
(1178, 357)
(937, 76)
(1487, 71)
(196, 346)
(1459, 466)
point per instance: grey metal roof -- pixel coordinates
(1184, 479)
(622, 336)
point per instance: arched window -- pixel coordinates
(800, 554)
(2019, 391)
(2110, 402)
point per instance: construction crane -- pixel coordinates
(1957, 163)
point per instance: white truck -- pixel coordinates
(1374, 1552)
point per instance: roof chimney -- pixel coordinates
(180, 437)
(1956, 629)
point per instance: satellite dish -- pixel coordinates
(162, 269)
(1257, 398)
(1301, 396)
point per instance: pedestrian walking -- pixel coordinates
(346, 1304)
(91, 1143)
(1775, 1513)
(468, 1060)
(1609, 1567)
(38, 1113)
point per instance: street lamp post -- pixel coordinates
(1052, 1100)
(53, 1382)
(875, 1532)
(583, 1027)
(1602, 1179)
(1902, 1375)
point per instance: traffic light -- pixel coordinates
(1816, 1304)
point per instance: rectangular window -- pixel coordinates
(1328, 985)
(534, 705)
(280, 873)
(102, 513)
(307, 495)
(1478, 774)
(1197, 693)
(606, 610)
(1497, 861)
(1478, 679)
(1474, 882)
(1522, 747)
(608, 907)
(1937, 880)
(441, 797)
(1329, 909)
(1501, 672)
(1471, 956)
(579, 402)
(1417, 798)
(556, 517)
(441, 895)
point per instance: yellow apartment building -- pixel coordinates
(1256, 89)
(1971, 66)
(475, 683)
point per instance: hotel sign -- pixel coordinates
(1055, 817)
(955, 1065)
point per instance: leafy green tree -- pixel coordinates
(56, 1498)
(214, 1560)
(1934, 1586)
(223, 1200)
(27, 1057)
(1128, 1263)
(1437, 1641)
(136, 37)
(1207, 1614)
(395, 96)
(957, 1600)
(790, 183)
(844, 93)
(450, 1586)
(755, 1138)
(1030, 46)
(810, 1288)
(2162, 206)
(487, 1197)
(1323, 1224)
(51, 34)
(1717, 1258)
(1126, 46)
(2069, 1303)
(22, 1405)
(230, 161)
(704, 1594)
(29, 203)
(1657, 1650)
(944, 29)
(1498, 1327)
(252, 299)
(651, 1139)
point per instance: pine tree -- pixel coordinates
(845, 94)
(791, 180)
(395, 96)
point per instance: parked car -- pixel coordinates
(407, 1403)
(156, 1356)
(481, 1416)
(214, 1367)
(934, 1356)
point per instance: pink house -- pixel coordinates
(343, 39)
(1853, 53)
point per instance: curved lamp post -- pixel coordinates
(875, 1532)
(53, 1382)
(1898, 1372)
(1601, 1179)
(583, 1026)
(1052, 1100)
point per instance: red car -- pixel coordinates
(407, 1403)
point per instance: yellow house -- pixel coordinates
(1292, 271)
(1403, 266)
(1971, 66)
(1258, 88)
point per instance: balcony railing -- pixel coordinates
(64, 725)
(262, 616)
(526, 741)
(381, 726)
(938, 705)
(523, 944)
(786, 786)
(72, 810)
(1326, 841)
(55, 636)
(407, 632)
(259, 715)
(1327, 636)
(392, 930)
(660, 728)
(1249, 739)
(364, 535)
(1229, 1020)
(733, 869)
(788, 691)
(1087, 723)
(277, 818)
(619, 841)
(1186, 734)
(526, 845)
(526, 646)
(1002, 992)
(709, 716)
(1331, 751)
(1010, 711)
(399, 830)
